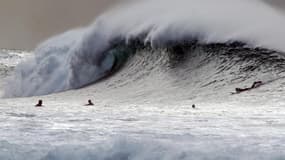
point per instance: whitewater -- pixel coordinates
(144, 64)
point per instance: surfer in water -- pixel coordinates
(90, 103)
(40, 103)
(254, 85)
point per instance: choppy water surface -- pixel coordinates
(143, 77)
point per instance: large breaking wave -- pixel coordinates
(82, 56)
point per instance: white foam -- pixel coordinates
(73, 59)
(124, 148)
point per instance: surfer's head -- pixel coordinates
(40, 103)
(238, 89)
(90, 102)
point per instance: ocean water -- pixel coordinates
(144, 71)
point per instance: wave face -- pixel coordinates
(83, 56)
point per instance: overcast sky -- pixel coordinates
(25, 23)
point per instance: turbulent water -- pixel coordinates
(144, 67)
(82, 56)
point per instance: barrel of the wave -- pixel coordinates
(112, 62)
(121, 54)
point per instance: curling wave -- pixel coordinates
(83, 56)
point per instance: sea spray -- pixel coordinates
(74, 59)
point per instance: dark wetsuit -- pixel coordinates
(254, 85)
(40, 104)
(242, 89)
(89, 103)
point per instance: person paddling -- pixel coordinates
(254, 85)
(40, 103)
(90, 103)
